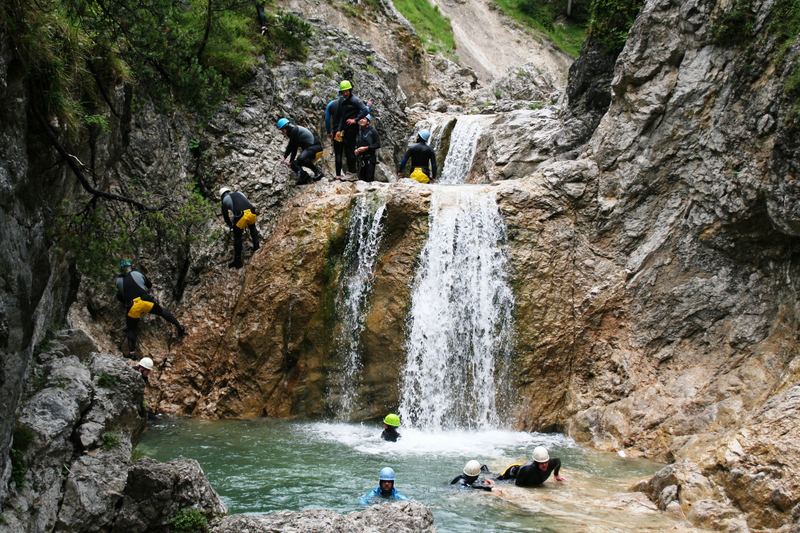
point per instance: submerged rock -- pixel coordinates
(411, 517)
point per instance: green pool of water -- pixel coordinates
(266, 465)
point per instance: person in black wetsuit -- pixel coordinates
(338, 146)
(535, 473)
(244, 217)
(390, 424)
(308, 143)
(351, 110)
(468, 479)
(367, 144)
(133, 290)
(423, 159)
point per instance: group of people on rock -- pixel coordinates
(531, 474)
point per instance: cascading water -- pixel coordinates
(463, 141)
(361, 251)
(460, 323)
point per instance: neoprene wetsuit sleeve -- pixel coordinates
(433, 164)
(403, 162)
(557, 469)
(328, 116)
(225, 213)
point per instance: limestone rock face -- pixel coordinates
(155, 493)
(263, 344)
(396, 516)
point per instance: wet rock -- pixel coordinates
(155, 493)
(401, 516)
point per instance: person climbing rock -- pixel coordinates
(308, 143)
(469, 477)
(390, 424)
(351, 110)
(244, 217)
(145, 367)
(535, 473)
(385, 490)
(133, 290)
(262, 17)
(367, 144)
(423, 159)
(338, 146)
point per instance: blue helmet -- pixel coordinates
(125, 263)
(387, 474)
(424, 135)
(369, 117)
(282, 122)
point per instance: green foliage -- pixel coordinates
(289, 34)
(431, 26)
(611, 20)
(335, 65)
(99, 234)
(107, 381)
(110, 440)
(97, 121)
(189, 520)
(735, 26)
(567, 33)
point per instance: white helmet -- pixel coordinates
(223, 190)
(146, 363)
(540, 454)
(472, 468)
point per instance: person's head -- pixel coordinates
(472, 469)
(365, 121)
(346, 88)
(145, 366)
(223, 191)
(283, 125)
(541, 457)
(386, 479)
(391, 420)
(423, 136)
(125, 265)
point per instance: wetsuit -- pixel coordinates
(237, 203)
(367, 136)
(305, 140)
(390, 434)
(529, 475)
(422, 156)
(338, 147)
(134, 285)
(465, 481)
(349, 107)
(376, 495)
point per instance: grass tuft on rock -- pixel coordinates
(433, 28)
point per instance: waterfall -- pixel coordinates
(361, 251)
(460, 324)
(463, 141)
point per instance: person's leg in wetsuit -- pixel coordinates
(338, 152)
(254, 236)
(350, 134)
(166, 315)
(237, 247)
(366, 169)
(306, 159)
(131, 332)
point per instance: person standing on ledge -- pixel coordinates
(367, 144)
(535, 473)
(390, 424)
(423, 159)
(244, 217)
(133, 290)
(385, 490)
(351, 110)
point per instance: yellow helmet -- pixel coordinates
(345, 85)
(392, 420)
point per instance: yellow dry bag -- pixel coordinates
(419, 175)
(140, 307)
(319, 155)
(248, 218)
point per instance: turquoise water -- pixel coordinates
(259, 466)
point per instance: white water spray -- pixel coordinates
(460, 323)
(361, 251)
(463, 141)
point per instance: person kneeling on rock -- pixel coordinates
(385, 490)
(390, 424)
(244, 217)
(133, 290)
(303, 139)
(469, 477)
(535, 473)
